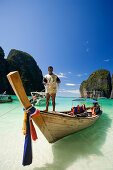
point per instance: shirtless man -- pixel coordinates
(50, 81)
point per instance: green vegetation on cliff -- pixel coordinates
(30, 72)
(112, 87)
(98, 81)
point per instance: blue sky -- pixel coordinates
(74, 36)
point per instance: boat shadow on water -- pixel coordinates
(79, 145)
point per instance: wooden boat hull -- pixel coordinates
(58, 125)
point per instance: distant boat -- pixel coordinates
(38, 98)
(102, 97)
(5, 98)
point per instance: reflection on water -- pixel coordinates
(91, 148)
(79, 145)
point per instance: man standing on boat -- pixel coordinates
(50, 81)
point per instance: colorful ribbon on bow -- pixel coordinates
(28, 131)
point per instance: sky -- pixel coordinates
(74, 36)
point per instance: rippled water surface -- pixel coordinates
(89, 149)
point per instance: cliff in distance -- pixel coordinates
(4, 85)
(98, 84)
(111, 96)
(30, 72)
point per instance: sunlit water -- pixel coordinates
(90, 149)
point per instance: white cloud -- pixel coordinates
(61, 75)
(87, 49)
(107, 60)
(73, 91)
(79, 75)
(69, 72)
(70, 91)
(85, 74)
(70, 84)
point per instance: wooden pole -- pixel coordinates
(16, 83)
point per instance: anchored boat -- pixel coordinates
(38, 98)
(60, 124)
(55, 126)
(5, 98)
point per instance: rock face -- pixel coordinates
(30, 73)
(4, 86)
(112, 87)
(97, 85)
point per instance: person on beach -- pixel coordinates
(51, 80)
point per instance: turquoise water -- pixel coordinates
(92, 148)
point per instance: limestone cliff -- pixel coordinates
(30, 72)
(112, 87)
(4, 86)
(97, 85)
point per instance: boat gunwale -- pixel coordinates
(69, 116)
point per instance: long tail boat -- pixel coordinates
(39, 98)
(54, 126)
(5, 98)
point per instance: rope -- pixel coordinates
(8, 111)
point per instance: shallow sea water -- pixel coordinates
(89, 149)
